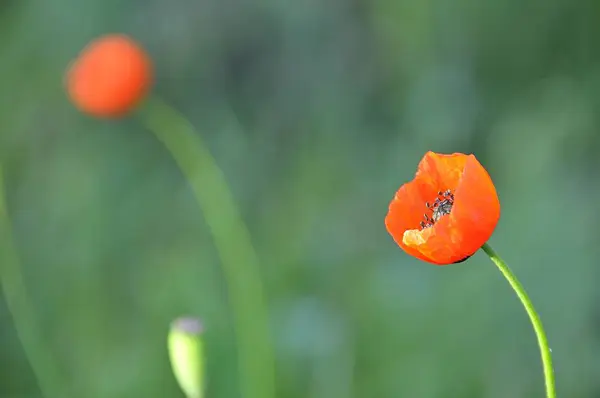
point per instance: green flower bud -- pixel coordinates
(186, 351)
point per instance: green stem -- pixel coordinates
(21, 309)
(533, 316)
(238, 259)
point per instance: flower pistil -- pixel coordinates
(439, 208)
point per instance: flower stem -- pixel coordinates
(239, 260)
(22, 310)
(533, 316)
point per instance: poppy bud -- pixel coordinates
(186, 352)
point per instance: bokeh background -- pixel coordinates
(316, 111)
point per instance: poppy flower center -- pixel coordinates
(439, 208)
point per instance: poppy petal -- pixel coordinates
(443, 171)
(405, 212)
(438, 243)
(476, 208)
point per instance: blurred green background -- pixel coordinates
(317, 111)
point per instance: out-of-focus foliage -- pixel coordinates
(316, 111)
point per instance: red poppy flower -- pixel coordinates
(447, 212)
(110, 76)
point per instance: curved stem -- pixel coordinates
(21, 309)
(238, 259)
(533, 316)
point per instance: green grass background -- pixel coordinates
(316, 111)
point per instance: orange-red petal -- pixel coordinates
(441, 171)
(405, 212)
(476, 207)
(458, 235)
